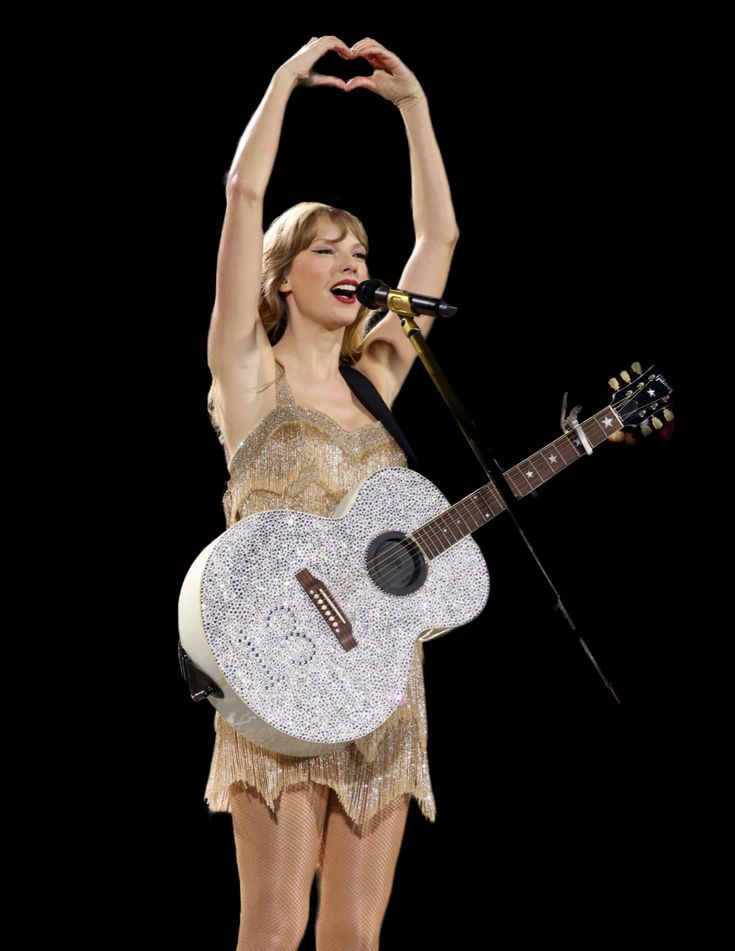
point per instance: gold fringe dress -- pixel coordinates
(299, 458)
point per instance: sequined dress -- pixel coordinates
(297, 457)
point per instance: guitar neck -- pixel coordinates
(481, 506)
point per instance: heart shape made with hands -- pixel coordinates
(390, 78)
(348, 81)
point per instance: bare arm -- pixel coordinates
(233, 330)
(236, 335)
(387, 353)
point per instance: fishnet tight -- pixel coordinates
(278, 855)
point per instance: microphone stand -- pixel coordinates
(399, 304)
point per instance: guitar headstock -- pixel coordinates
(642, 398)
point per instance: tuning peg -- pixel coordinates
(613, 383)
(657, 424)
(636, 368)
(668, 415)
(646, 430)
(625, 376)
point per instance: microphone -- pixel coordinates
(376, 294)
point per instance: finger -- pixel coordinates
(357, 82)
(318, 79)
(369, 45)
(365, 40)
(385, 60)
(377, 55)
(375, 50)
(335, 43)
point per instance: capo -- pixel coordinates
(570, 423)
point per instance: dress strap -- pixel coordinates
(284, 396)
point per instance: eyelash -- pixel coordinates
(358, 254)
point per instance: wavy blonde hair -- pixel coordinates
(288, 235)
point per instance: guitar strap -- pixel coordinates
(372, 400)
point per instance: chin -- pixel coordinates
(349, 314)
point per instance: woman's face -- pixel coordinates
(325, 264)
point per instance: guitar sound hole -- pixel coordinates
(395, 563)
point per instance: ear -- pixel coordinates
(284, 286)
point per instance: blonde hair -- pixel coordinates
(288, 235)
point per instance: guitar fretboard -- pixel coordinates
(482, 505)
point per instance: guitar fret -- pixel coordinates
(594, 433)
(422, 540)
(480, 508)
(486, 510)
(437, 529)
(608, 422)
(521, 483)
(516, 481)
(432, 542)
(495, 500)
(573, 448)
(543, 468)
(434, 546)
(470, 508)
(449, 528)
(532, 474)
(468, 514)
(553, 457)
(460, 524)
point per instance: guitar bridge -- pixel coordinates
(330, 611)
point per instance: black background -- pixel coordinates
(563, 162)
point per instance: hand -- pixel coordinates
(392, 79)
(301, 65)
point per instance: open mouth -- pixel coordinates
(345, 293)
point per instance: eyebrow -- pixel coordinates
(357, 244)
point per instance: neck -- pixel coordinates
(313, 351)
(481, 506)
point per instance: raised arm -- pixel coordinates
(236, 335)
(387, 354)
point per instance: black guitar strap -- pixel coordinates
(372, 400)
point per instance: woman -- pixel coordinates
(285, 313)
